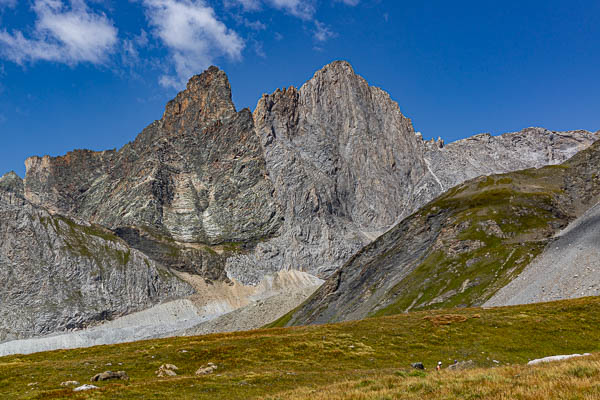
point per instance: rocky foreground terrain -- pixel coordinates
(209, 203)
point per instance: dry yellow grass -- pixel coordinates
(573, 379)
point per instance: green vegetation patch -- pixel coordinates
(496, 226)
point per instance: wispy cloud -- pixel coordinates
(304, 9)
(322, 33)
(64, 34)
(193, 35)
(248, 5)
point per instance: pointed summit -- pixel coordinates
(11, 182)
(337, 67)
(11, 189)
(206, 97)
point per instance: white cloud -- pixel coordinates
(349, 2)
(322, 33)
(193, 35)
(304, 9)
(300, 8)
(68, 35)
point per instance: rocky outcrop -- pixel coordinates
(197, 176)
(11, 189)
(347, 165)
(411, 267)
(59, 275)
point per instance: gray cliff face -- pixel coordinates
(58, 275)
(342, 159)
(196, 176)
(347, 165)
(484, 154)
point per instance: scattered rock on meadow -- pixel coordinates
(104, 376)
(85, 387)
(206, 369)
(417, 365)
(166, 370)
(460, 365)
(556, 358)
(69, 383)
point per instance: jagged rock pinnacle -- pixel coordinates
(11, 188)
(207, 96)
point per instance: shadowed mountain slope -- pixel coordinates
(567, 268)
(192, 180)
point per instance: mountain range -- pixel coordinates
(214, 211)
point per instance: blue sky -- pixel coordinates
(93, 73)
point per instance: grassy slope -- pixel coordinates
(525, 208)
(275, 361)
(572, 379)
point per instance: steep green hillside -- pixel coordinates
(458, 250)
(273, 362)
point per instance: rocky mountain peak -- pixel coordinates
(11, 181)
(337, 67)
(206, 97)
(11, 188)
